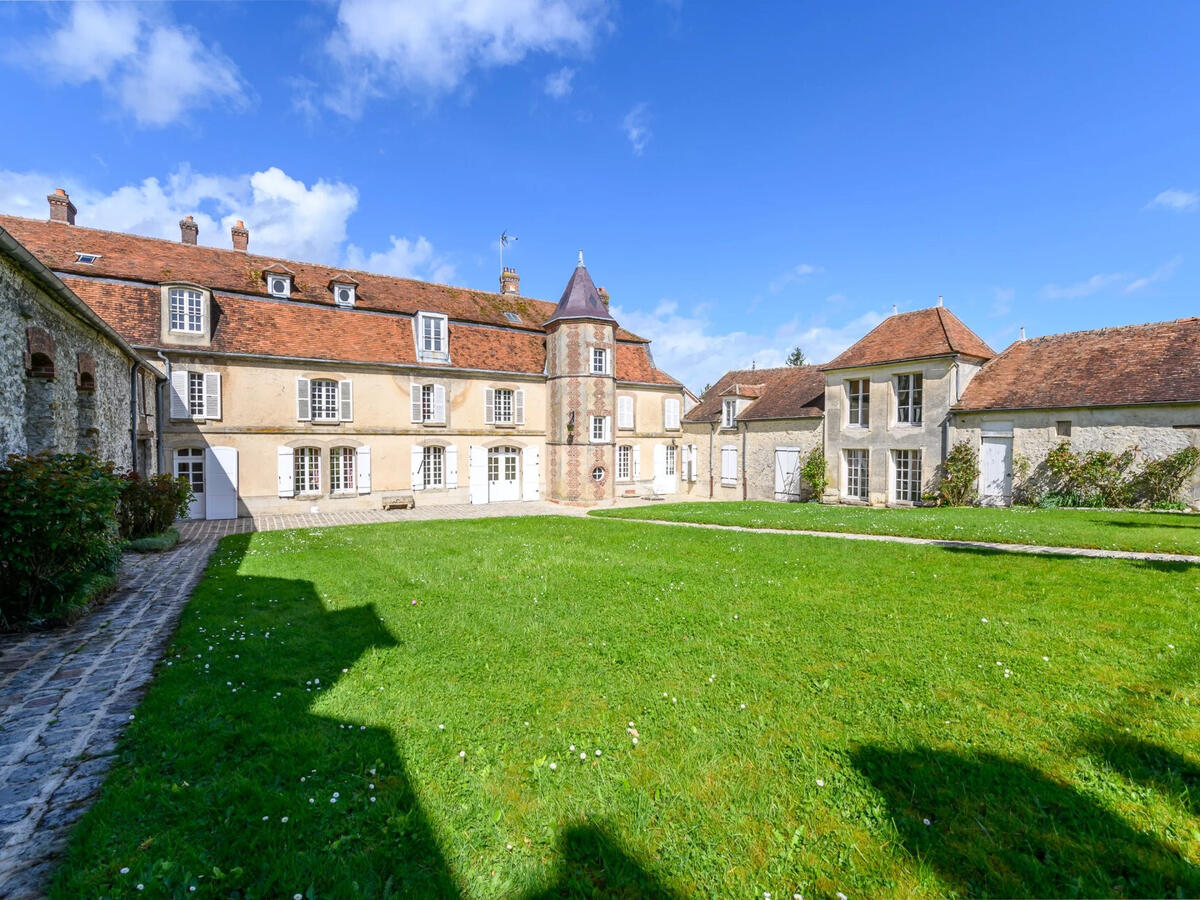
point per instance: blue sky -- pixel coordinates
(741, 183)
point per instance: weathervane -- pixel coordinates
(505, 240)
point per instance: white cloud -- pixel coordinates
(1002, 300)
(1084, 288)
(794, 274)
(1176, 199)
(558, 84)
(432, 46)
(690, 347)
(636, 126)
(1162, 273)
(155, 70)
(286, 217)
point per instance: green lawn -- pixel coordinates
(1154, 532)
(408, 697)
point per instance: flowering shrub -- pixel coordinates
(813, 471)
(57, 533)
(149, 505)
(960, 472)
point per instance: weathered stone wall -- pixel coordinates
(46, 406)
(763, 438)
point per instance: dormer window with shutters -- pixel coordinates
(195, 396)
(279, 280)
(729, 413)
(503, 406)
(433, 338)
(428, 404)
(344, 289)
(324, 401)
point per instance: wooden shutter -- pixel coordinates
(624, 412)
(303, 406)
(531, 489)
(287, 473)
(489, 407)
(451, 467)
(417, 409)
(637, 462)
(346, 401)
(418, 475)
(670, 414)
(363, 469)
(660, 460)
(519, 407)
(439, 403)
(478, 474)
(179, 394)
(212, 395)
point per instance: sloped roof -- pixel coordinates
(1132, 364)
(580, 299)
(790, 392)
(919, 334)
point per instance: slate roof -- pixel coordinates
(790, 392)
(919, 334)
(1133, 364)
(122, 286)
(580, 299)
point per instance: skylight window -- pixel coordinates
(513, 317)
(87, 258)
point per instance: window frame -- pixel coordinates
(859, 475)
(670, 461)
(858, 403)
(195, 378)
(311, 469)
(187, 316)
(603, 422)
(343, 460)
(284, 294)
(603, 355)
(729, 412)
(510, 397)
(335, 403)
(624, 465)
(433, 457)
(424, 320)
(910, 412)
(906, 477)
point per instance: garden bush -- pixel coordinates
(1094, 478)
(1161, 480)
(960, 472)
(57, 533)
(149, 505)
(813, 472)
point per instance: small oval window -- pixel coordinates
(598, 473)
(278, 286)
(344, 295)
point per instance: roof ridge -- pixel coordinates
(1131, 325)
(942, 322)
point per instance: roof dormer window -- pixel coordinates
(279, 285)
(433, 339)
(345, 291)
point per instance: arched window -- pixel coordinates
(39, 353)
(85, 373)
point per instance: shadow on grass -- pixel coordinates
(1001, 828)
(1152, 766)
(227, 744)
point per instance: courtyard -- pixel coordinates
(551, 706)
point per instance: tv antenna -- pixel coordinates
(505, 240)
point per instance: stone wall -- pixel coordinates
(756, 442)
(67, 385)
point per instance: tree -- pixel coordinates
(796, 357)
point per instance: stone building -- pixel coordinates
(1110, 389)
(71, 382)
(748, 435)
(296, 385)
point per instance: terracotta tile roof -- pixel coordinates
(1133, 364)
(790, 392)
(750, 391)
(309, 325)
(918, 334)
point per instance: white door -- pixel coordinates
(666, 469)
(189, 464)
(220, 501)
(503, 474)
(787, 474)
(995, 471)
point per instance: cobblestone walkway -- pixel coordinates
(65, 695)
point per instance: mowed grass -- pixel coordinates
(1151, 532)
(424, 704)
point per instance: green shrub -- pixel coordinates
(1094, 478)
(813, 471)
(960, 473)
(58, 531)
(149, 505)
(1161, 480)
(154, 543)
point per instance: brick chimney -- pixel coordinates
(510, 281)
(241, 235)
(188, 230)
(61, 207)
(603, 295)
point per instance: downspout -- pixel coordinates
(133, 415)
(712, 437)
(745, 437)
(162, 395)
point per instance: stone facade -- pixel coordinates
(757, 443)
(69, 386)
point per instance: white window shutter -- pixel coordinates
(418, 476)
(531, 489)
(303, 407)
(693, 461)
(346, 401)
(212, 395)
(439, 403)
(287, 473)
(637, 462)
(519, 407)
(416, 403)
(451, 467)
(660, 460)
(179, 394)
(624, 412)
(489, 406)
(363, 460)
(478, 474)
(670, 414)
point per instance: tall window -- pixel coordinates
(858, 477)
(433, 467)
(669, 461)
(341, 470)
(324, 400)
(671, 414)
(908, 399)
(624, 463)
(307, 464)
(729, 413)
(433, 334)
(196, 393)
(599, 429)
(503, 409)
(858, 391)
(427, 409)
(187, 310)
(908, 475)
(599, 361)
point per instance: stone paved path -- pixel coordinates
(1035, 549)
(65, 694)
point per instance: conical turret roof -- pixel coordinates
(581, 300)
